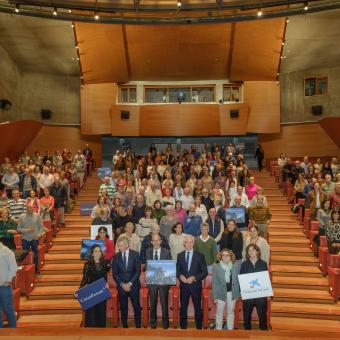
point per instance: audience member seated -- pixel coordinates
(216, 226)
(10, 180)
(244, 198)
(101, 204)
(47, 207)
(251, 188)
(187, 199)
(192, 222)
(168, 221)
(27, 182)
(333, 233)
(16, 206)
(106, 185)
(335, 197)
(180, 212)
(260, 214)
(242, 224)
(59, 192)
(176, 240)
(102, 219)
(315, 200)
(299, 186)
(119, 221)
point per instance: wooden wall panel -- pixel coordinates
(331, 126)
(233, 126)
(179, 120)
(53, 137)
(299, 140)
(95, 104)
(15, 137)
(121, 127)
(256, 51)
(102, 53)
(263, 98)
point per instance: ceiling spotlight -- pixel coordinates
(305, 6)
(259, 13)
(17, 10)
(96, 16)
(55, 11)
(179, 3)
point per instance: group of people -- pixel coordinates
(33, 191)
(319, 185)
(195, 208)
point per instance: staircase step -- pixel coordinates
(300, 282)
(68, 240)
(290, 250)
(304, 324)
(85, 231)
(58, 268)
(58, 280)
(51, 320)
(294, 260)
(303, 242)
(53, 292)
(65, 249)
(63, 258)
(287, 233)
(57, 306)
(302, 295)
(291, 270)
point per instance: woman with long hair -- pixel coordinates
(225, 287)
(94, 269)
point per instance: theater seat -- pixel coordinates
(16, 300)
(323, 254)
(254, 316)
(306, 222)
(301, 203)
(26, 275)
(314, 230)
(334, 275)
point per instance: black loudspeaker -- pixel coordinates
(317, 110)
(5, 104)
(46, 114)
(124, 115)
(234, 113)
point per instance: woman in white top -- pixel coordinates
(262, 243)
(201, 210)
(134, 240)
(176, 240)
(143, 228)
(282, 160)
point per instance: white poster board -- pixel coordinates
(94, 230)
(255, 285)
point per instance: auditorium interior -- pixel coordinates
(169, 87)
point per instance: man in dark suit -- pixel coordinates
(126, 267)
(191, 270)
(156, 252)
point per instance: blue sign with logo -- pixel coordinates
(93, 294)
(86, 209)
(104, 172)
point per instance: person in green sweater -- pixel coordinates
(8, 229)
(206, 245)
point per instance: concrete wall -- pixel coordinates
(31, 92)
(295, 107)
(10, 85)
(60, 94)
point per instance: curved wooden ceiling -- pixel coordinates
(236, 51)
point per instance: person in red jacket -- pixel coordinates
(109, 245)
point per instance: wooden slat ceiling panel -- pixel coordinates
(256, 50)
(178, 52)
(102, 53)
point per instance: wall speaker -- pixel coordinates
(124, 115)
(234, 113)
(5, 104)
(317, 110)
(46, 114)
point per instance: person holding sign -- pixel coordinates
(94, 269)
(126, 267)
(156, 253)
(254, 264)
(191, 271)
(225, 287)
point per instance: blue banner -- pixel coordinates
(86, 209)
(104, 172)
(93, 294)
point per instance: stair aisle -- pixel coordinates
(301, 299)
(51, 302)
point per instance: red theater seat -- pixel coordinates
(16, 300)
(334, 275)
(301, 203)
(306, 222)
(314, 231)
(26, 275)
(323, 254)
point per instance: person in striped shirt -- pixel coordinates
(107, 186)
(16, 206)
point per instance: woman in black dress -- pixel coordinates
(95, 269)
(254, 264)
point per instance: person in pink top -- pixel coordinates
(109, 245)
(180, 212)
(251, 188)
